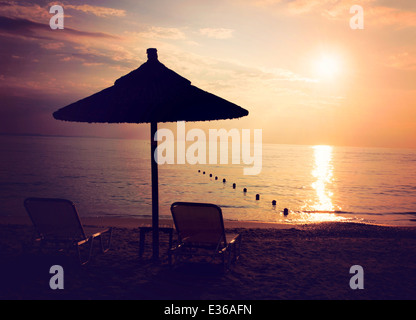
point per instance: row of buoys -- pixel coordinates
(285, 211)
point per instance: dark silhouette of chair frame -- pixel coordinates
(201, 232)
(56, 221)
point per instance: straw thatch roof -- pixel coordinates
(151, 93)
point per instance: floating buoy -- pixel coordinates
(234, 185)
(245, 190)
(274, 202)
(286, 211)
(223, 180)
(257, 197)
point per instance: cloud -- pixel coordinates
(246, 83)
(374, 14)
(31, 29)
(66, 52)
(303, 6)
(38, 13)
(387, 16)
(154, 32)
(24, 10)
(402, 60)
(97, 11)
(280, 74)
(264, 3)
(217, 33)
(52, 45)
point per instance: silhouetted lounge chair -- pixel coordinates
(201, 232)
(56, 221)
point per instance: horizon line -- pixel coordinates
(146, 140)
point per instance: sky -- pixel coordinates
(297, 66)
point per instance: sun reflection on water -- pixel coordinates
(323, 172)
(320, 206)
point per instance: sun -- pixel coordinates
(327, 67)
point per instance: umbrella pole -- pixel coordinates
(155, 192)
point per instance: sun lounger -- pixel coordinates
(201, 232)
(56, 221)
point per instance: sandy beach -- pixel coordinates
(277, 262)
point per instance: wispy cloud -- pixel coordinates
(96, 10)
(217, 33)
(24, 10)
(52, 45)
(388, 16)
(39, 13)
(155, 32)
(31, 29)
(280, 74)
(402, 60)
(375, 14)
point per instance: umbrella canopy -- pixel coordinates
(151, 94)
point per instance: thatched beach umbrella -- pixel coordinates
(151, 94)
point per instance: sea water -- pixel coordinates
(112, 178)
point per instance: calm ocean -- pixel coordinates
(110, 177)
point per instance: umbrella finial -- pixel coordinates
(151, 54)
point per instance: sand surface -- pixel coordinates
(277, 262)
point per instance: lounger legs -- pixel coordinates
(103, 246)
(86, 260)
(106, 247)
(237, 248)
(233, 254)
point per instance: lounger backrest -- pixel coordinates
(198, 223)
(55, 219)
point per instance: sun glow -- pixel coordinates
(327, 67)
